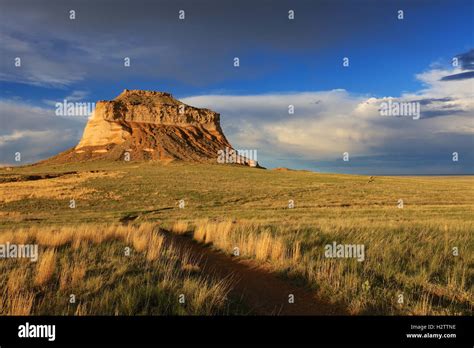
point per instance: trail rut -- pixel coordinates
(262, 291)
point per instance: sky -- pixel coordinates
(283, 62)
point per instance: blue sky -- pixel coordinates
(296, 60)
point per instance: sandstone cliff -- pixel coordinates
(147, 125)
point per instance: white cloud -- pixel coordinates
(326, 124)
(40, 64)
(74, 96)
(34, 131)
(21, 135)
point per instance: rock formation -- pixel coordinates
(147, 125)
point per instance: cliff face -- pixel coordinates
(147, 125)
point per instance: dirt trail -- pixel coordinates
(259, 289)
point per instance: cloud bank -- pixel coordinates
(35, 132)
(327, 124)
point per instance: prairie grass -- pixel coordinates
(95, 268)
(180, 227)
(242, 210)
(18, 303)
(16, 280)
(46, 267)
(155, 244)
(249, 240)
(66, 187)
(401, 259)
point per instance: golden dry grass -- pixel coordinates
(46, 267)
(16, 281)
(180, 227)
(64, 187)
(409, 250)
(410, 261)
(89, 261)
(155, 244)
(18, 304)
(261, 246)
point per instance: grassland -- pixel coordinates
(422, 252)
(88, 270)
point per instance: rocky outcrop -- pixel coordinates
(148, 125)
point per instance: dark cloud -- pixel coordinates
(198, 50)
(56, 51)
(427, 101)
(460, 76)
(436, 107)
(441, 112)
(467, 60)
